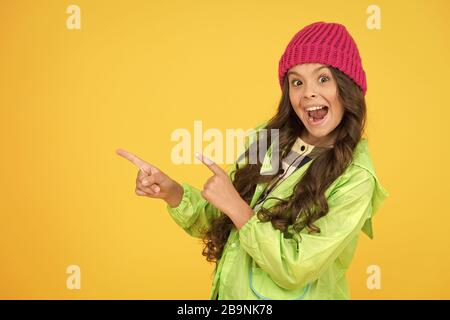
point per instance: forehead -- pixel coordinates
(307, 68)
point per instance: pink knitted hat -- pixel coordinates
(325, 43)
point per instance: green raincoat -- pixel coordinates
(258, 262)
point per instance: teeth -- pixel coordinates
(315, 108)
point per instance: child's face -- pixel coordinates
(313, 85)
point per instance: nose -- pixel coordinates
(310, 92)
(311, 95)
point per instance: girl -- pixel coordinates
(288, 229)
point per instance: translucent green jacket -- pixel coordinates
(258, 262)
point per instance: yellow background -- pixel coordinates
(138, 70)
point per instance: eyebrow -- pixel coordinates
(315, 70)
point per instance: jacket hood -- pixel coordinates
(362, 158)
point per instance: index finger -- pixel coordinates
(209, 163)
(141, 164)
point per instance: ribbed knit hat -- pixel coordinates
(325, 43)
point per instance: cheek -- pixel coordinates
(294, 103)
(334, 99)
(339, 113)
(292, 99)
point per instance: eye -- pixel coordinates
(293, 82)
(323, 77)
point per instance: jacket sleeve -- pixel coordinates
(293, 263)
(195, 214)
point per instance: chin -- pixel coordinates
(318, 134)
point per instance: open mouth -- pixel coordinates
(317, 114)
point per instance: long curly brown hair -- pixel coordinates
(307, 202)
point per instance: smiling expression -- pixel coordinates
(314, 96)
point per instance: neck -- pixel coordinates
(325, 142)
